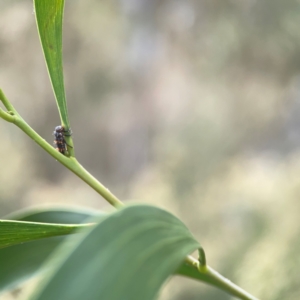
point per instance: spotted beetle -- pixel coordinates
(60, 142)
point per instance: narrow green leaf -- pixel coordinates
(128, 255)
(61, 215)
(16, 232)
(20, 262)
(49, 17)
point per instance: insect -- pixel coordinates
(60, 142)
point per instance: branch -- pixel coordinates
(213, 277)
(71, 163)
(217, 280)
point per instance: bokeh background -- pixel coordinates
(193, 106)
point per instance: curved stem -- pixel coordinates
(214, 278)
(70, 162)
(208, 274)
(6, 116)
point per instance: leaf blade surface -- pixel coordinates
(128, 255)
(22, 261)
(49, 18)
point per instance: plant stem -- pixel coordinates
(219, 281)
(6, 116)
(73, 165)
(70, 162)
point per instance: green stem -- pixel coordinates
(216, 279)
(73, 165)
(70, 162)
(6, 116)
(5, 102)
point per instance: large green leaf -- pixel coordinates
(128, 255)
(22, 261)
(49, 17)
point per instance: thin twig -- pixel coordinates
(218, 280)
(70, 162)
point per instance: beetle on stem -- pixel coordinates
(60, 142)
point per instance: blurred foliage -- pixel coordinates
(189, 105)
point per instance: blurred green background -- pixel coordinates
(193, 106)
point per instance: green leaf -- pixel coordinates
(16, 232)
(128, 255)
(20, 262)
(49, 17)
(62, 215)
